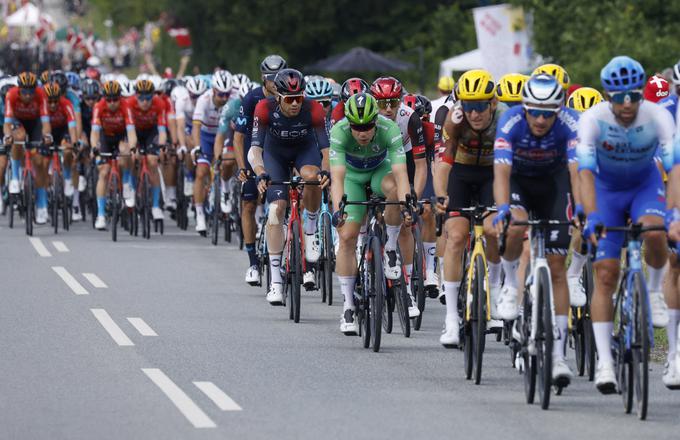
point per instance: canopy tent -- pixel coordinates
(460, 63)
(358, 59)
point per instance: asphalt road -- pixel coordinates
(208, 358)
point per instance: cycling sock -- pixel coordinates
(510, 269)
(199, 209)
(67, 173)
(275, 268)
(576, 265)
(41, 198)
(603, 341)
(392, 237)
(347, 288)
(252, 253)
(440, 264)
(494, 273)
(156, 196)
(171, 192)
(311, 224)
(429, 248)
(127, 177)
(76, 200)
(451, 293)
(672, 332)
(654, 278)
(409, 271)
(223, 186)
(561, 322)
(16, 169)
(101, 206)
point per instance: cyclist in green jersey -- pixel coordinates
(366, 149)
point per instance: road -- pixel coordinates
(208, 358)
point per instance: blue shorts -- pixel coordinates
(616, 206)
(278, 158)
(207, 148)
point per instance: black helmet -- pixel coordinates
(91, 89)
(271, 65)
(425, 106)
(289, 82)
(59, 77)
(352, 86)
(168, 85)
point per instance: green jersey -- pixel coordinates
(386, 144)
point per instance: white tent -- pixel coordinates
(27, 16)
(461, 63)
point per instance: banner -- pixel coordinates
(504, 39)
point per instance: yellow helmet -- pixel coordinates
(583, 98)
(555, 70)
(446, 83)
(509, 87)
(475, 85)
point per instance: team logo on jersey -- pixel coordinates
(375, 148)
(511, 123)
(502, 144)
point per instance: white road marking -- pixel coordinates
(95, 280)
(60, 246)
(70, 281)
(142, 327)
(112, 328)
(223, 402)
(179, 398)
(39, 247)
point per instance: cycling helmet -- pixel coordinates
(111, 89)
(93, 73)
(127, 87)
(238, 80)
(157, 81)
(144, 86)
(168, 85)
(27, 80)
(622, 74)
(555, 70)
(60, 78)
(289, 82)
(45, 77)
(352, 86)
(245, 89)
(109, 77)
(386, 87)
(361, 108)
(475, 85)
(221, 81)
(445, 84)
(271, 65)
(196, 86)
(52, 90)
(319, 89)
(411, 100)
(4, 88)
(509, 87)
(73, 80)
(91, 89)
(425, 105)
(656, 89)
(584, 98)
(542, 89)
(337, 91)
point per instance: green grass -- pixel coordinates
(658, 353)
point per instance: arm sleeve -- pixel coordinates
(417, 135)
(224, 122)
(668, 148)
(338, 140)
(260, 124)
(319, 125)
(571, 123)
(69, 112)
(502, 147)
(42, 102)
(586, 151)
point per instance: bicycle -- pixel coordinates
(536, 323)
(214, 202)
(26, 199)
(232, 220)
(419, 262)
(582, 339)
(58, 202)
(375, 296)
(114, 189)
(326, 263)
(144, 198)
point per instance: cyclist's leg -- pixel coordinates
(227, 170)
(429, 235)
(308, 163)
(16, 158)
(276, 164)
(202, 176)
(384, 184)
(249, 200)
(41, 162)
(153, 151)
(493, 259)
(169, 169)
(68, 162)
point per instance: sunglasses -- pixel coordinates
(293, 98)
(145, 97)
(112, 100)
(325, 103)
(53, 101)
(222, 94)
(631, 96)
(547, 113)
(27, 91)
(476, 106)
(362, 127)
(392, 103)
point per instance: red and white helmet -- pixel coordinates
(656, 89)
(386, 87)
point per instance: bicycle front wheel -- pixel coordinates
(479, 318)
(115, 200)
(57, 195)
(29, 203)
(528, 360)
(295, 269)
(377, 293)
(544, 338)
(640, 346)
(329, 258)
(401, 300)
(418, 277)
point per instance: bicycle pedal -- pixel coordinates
(561, 383)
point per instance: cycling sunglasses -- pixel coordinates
(27, 90)
(537, 112)
(362, 127)
(112, 100)
(145, 97)
(293, 98)
(393, 103)
(222, 94)
(325, 102)
(53, 101)
(632, 96)
(476, 106)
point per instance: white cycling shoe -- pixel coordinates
(312, 248)
(450, 337)
(391, 264)
(14, 186)
(253, 275)
(413, 310)
(605, 378)
(77, 215)
(82, 183)
(671, 376)
(129, 195)
(68, 188)
(577, 293)
(100, 223)
(506, 307)
(41, 216)
(200, 223)
(561, 373)
(494, 294)
(348, 323)
(659, 309)
(157, 213)
(275, 294)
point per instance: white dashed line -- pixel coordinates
(142, 327)
(223, 402)
(39, 247)
(179, 398)
(95, 281)
(60, 246)
(70, 281)
(112, 328)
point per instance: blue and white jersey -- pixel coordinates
(535, 156)
(72, 96)
(621, 157)
(670, 103)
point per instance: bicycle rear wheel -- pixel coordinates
(479, 317)
(418, 277)
(529, 360)
(377, 292)
(329, 259)
(640, 346)
(579, 335)
(217, 212)
(114, 199)
(295, 271)
(57, 195)
(467, 340)
(401, 300)
(29, 203)
(544, 338)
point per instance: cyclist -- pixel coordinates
(321, 91)
(289, 129)
(348, 88)
(205, 122)
(27, 118)
(671, 102)
(185, 103)
(366, 149)
(149, 117)
(618, 175)
(113, 129)
(5, 86)
(557, 72)
(464, 173)
(168, 163)
(535, 170)
(388, 92)
(91, 90)
(63, 123)
(224, 147)
(445, 86)
(269, 67)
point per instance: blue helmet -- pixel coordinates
(621, 74)
(319, 89)
(73, 80)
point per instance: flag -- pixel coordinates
(181, 35)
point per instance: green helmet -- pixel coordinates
(361, 108)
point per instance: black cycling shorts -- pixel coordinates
(60, 134)
(109, 144)
(470, 183)
(147, 141)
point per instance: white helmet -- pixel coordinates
(109, 77)
(157, 82)
(142, 76)
(221, 81)
(542, 89)
(245, 88)
(238, 80)
(676, 74)
(196, 86)
(127, 87)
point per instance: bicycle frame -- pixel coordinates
(295, 217)
(477, 249)
(538, 261)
